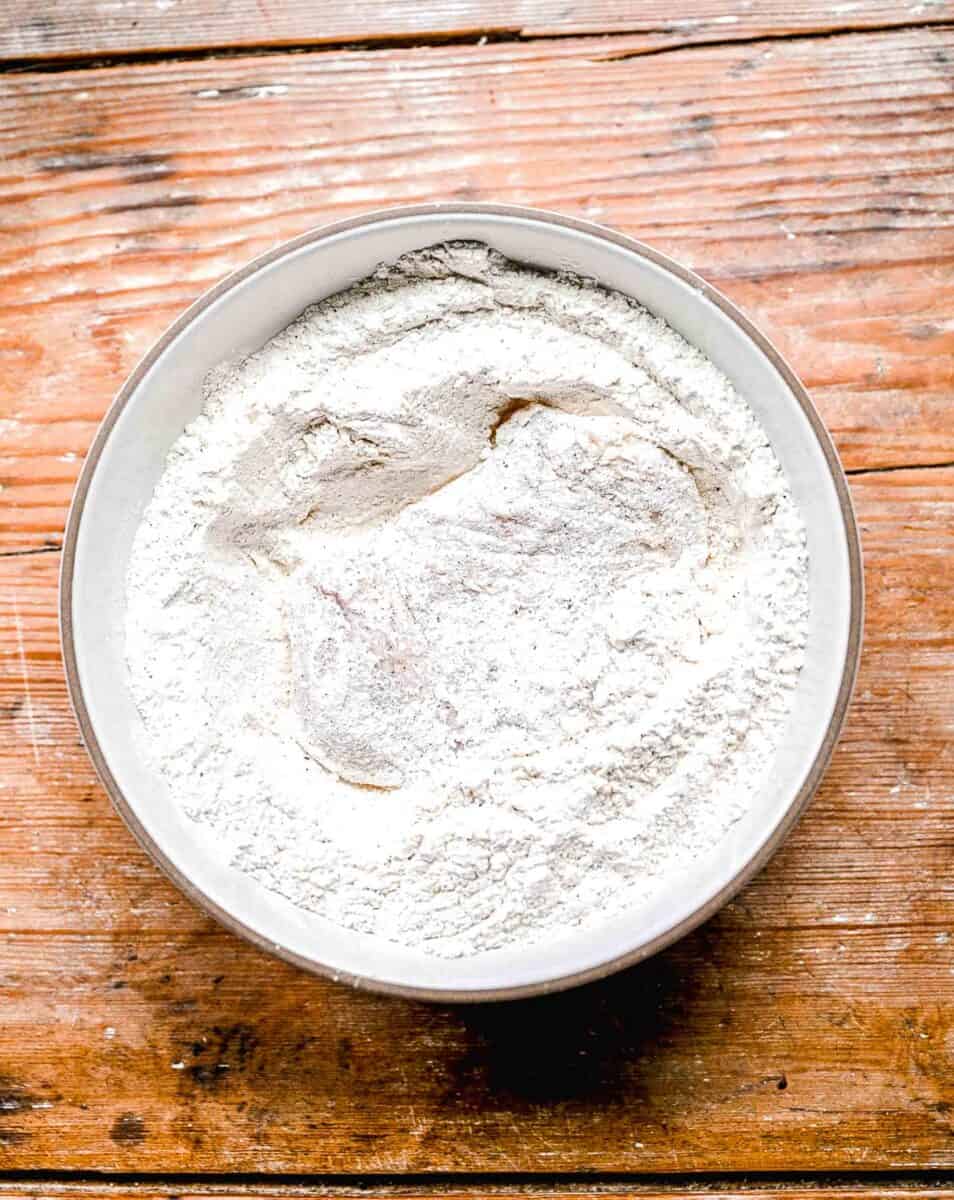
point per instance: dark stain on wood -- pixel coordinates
(744, 67)
(63, 163)
(16, 1102)
(221, 1053)
(128, 1130)
(344, 1053)
(584, 1045)
(208, 1075)
(13, 1137)
(159, 202)
(16, 1097)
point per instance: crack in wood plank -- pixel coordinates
(757, 39)
(932, 466)
(101, 58)
(30, 550)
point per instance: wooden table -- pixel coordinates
(800, 155)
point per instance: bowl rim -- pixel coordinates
(799, 801)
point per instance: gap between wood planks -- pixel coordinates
(555, 1185)
(64, 63)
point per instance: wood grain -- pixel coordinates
(810, 1025)
(780, 1190)
(811, 180)
(49, 29)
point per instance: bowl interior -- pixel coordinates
(125, 464)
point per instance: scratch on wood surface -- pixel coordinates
(31, 722)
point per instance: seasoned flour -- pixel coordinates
(470, 608)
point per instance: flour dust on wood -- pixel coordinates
(470, 608)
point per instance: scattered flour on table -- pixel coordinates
(470, 608)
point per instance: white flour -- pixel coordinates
(470, 608)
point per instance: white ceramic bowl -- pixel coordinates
(163, 395)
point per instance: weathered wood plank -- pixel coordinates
(809, 1026)
(781, 1190)
(635, 1191)
(811, 180)
(47, 29)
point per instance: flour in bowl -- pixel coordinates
(470, 609)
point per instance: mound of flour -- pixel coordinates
(470, 608)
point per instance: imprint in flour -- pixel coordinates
(400, 633)
(470, 609)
